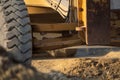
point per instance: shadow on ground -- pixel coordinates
(76, 52)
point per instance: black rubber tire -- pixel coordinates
(15, 30)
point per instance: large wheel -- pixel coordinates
(15, 30)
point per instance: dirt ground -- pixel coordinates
(98, 68)
(88, 68)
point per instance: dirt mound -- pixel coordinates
(12, 70)
(105, 68)
(80, 69)
(90, 69)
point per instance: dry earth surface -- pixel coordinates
(98, 68)
(12, 70)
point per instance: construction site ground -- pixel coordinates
(87, 64)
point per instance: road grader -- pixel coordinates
(38, 25)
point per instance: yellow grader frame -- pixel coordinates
(57, 24)
(90, 19)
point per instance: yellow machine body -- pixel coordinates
(91, 18)
(42, 3)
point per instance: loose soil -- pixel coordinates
(98, 68)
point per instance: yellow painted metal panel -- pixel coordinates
(82, 11)
(42, 3)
